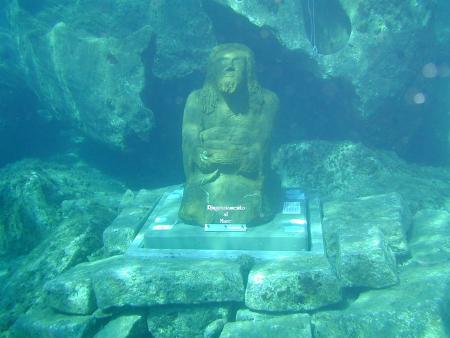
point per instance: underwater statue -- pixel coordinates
(227, 127)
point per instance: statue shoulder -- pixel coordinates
(271, 100)
(193, 97)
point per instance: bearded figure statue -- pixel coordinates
(227, 127)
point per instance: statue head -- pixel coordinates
(231, 66)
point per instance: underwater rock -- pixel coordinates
(247, 314)
(118, 236)
(184, 38)
(185, 322)
(39, 196)
(417, 307)
(87, 60)
(429, 238)
(363, 259)
(388, 212)
(127, 326)
(88, 78)
(357, 248)
(46, 323)
(214, 328)
(289, 326)
(81, 201)
(301, 284)
(339, 170)
(373, 45)
(128, 281)
(71, 292)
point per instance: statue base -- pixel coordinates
(294, 231)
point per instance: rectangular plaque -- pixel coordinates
(291, 208)
(225, 227)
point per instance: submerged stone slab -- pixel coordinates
(247, 314)
(359, 235)
(214, 328)
(71, 292)
(128, 326)
(365, 260)
(301, 284)
(128, 281)
(46, 323)
(417, 307)
(289, 326)
(122, 231)
(185, 322)
(429, 240)
(388, 212)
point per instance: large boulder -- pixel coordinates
(46, 323)
(125, 281)
(54, 218)
(87, 60)
(341, 170)
(417, 307)
(301, 284)
(366, 51)
(38, 196)
(138, 282)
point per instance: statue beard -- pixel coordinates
(228, 85)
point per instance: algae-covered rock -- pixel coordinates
(388, 212)
(126, 326)
(79, 203)
(89, 61)
(131, 281)
(289, 326)
(214, 328)
(86, 67)
(121, 232)
(185, 322)
(38, 196)
(71, 293)
(370, 45)
(417, 307)
(46, 323)
(247, 314)
(300, 284)
(343, 170)
(430, 236)
(355, 241)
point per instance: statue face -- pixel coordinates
(230, 71)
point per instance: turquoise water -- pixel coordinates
(345, 102)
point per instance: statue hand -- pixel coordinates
(204, 162)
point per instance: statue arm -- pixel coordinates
(258, 153)
(191, 133)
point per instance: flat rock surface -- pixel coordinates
(71, 293)
(289, 326)
(430, 236)
(417, 307)
(46, 323)
(127, 281)
(127, 326)
(388, 212)
(360, 237)
(194, 321)
(300, 284)
(118, 236)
